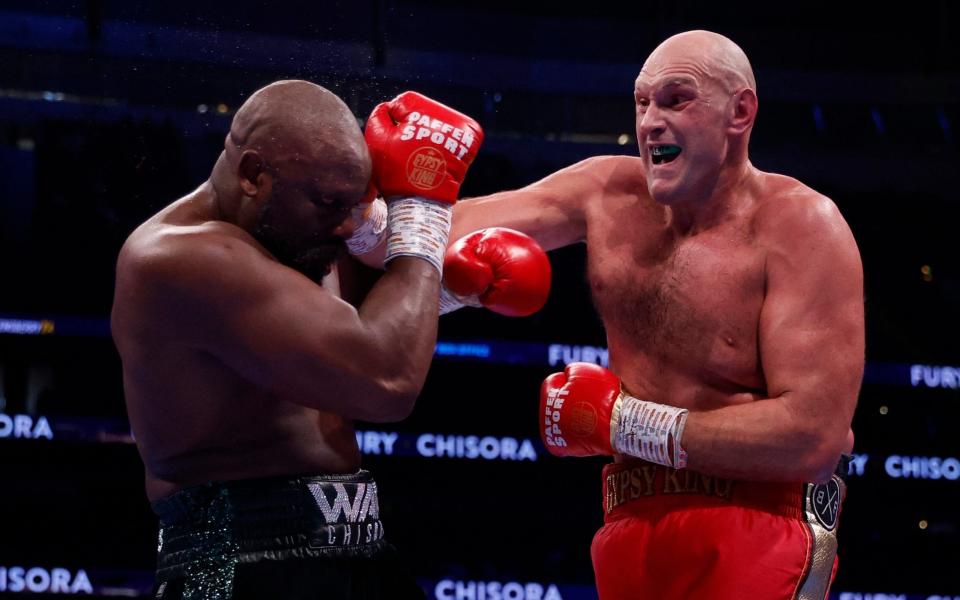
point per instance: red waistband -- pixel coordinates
(641, 488)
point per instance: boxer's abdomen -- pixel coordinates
(684, 323)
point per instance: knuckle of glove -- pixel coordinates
(553, 381)
(585, 370)
(424, 147)
(466, 275)
(464, 272)
(378, 124)
(404, 100)
(521, 272)
(508, 300)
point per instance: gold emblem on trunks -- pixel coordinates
(637, 482)
(821, 511)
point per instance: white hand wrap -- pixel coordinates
(418, 227)
(650, 431)
(371, 229)
(450, 302)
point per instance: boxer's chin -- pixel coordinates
(316, 262)
(662, 192)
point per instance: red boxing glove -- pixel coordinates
(505, 270)
(585, 413)
(420, 147)
(576, 407)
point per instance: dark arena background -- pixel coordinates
(109, 110)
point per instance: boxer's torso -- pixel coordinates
(681, 312)
(196, 419)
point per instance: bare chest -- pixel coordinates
(687, 307)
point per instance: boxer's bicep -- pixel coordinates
(297, 341)
(811, 329)
(276, 329)
(552, 211)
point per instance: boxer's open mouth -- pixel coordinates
(664, 154)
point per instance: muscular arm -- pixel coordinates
(552, 211)
(354, 279)
(287, 335)
(811, 338)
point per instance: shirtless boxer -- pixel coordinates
(242, 374)
(733, 305)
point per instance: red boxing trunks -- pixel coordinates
(671, 535)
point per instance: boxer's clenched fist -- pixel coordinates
(420, 151)
(420, 147)
(584, 413)
(504, 270)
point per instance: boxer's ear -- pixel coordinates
(743, 111)
(252, 174)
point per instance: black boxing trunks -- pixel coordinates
(278, 538)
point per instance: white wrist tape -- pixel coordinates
(418, 227)
(650, 431)
(371, 229)
(450, 302)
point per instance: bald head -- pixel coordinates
(696, 104)
(294, 164)
(298, 123)
(714, 55)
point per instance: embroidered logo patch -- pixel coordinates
(825, 501)
(426, 168)
(583, 418)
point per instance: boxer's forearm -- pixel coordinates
(553, 211)
(536, 212)
(765, 440)
(473, 215)
(400, 318)
(512, 209)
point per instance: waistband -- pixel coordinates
(635, 488)
(271, 518)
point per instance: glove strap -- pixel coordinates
(650, 431)
(372, 228)
(418, 227)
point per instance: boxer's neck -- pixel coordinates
(724, 202)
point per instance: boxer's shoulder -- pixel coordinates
(793, 219)
(162, 249)
(165, 271)
(616, 181)
(614, 172)
(786, 206)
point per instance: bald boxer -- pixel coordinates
(243, 368)
(733, 305)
